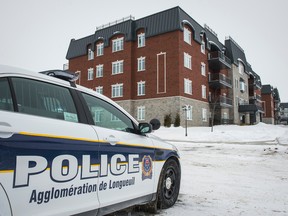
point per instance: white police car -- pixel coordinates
(66, 150)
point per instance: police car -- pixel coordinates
(66, 150)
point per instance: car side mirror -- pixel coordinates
(155, 124)
(145, 128)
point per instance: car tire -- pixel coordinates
(169, 184)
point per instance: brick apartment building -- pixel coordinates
(161, 63)
(271, 101)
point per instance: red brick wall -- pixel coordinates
(269, 105)
(171, 43)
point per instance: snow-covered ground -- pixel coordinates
(234, 170)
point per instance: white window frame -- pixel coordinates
(203, 46)
(203, 69)
(90, 54)
(204, 91)
(241, 68)
(90, 74)
(187, 35)
(187, 61)
(98, 115)
(118, 44)
(100, 49)
(117, 67)
(141, 88)
(188, 86)
(99, 89)
(189, 114)
(141, 63)
(141, 113)
(242, 86)
(117, 90)
(141, 40)
(99, 70)
(204, 115)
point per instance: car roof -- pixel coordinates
(10, 70)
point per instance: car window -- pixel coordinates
(6, 102)
(44, 99)
(107, 116)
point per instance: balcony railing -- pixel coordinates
(223, 101)
(221, 79)
(219, 57)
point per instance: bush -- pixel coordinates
(177, 120)
(167, 120)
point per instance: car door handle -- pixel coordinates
(5, 130)
(112, 140)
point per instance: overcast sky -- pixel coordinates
(35, 34)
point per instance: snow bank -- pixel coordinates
(277, 134)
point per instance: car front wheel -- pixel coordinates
(169, 184)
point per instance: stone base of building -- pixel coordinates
(159, 107)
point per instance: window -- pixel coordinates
(107, 116)
(141, 40)
(141, 64)
(141, 113)
(90, 54)
(100, 49)
(99, 70)
(187, 35)
(117, 44)
(90, 74)
(242, 86)
(204, 91)
(203, 46)
(99, 89)
(204, 115)
(241, 68)
(97, 117)
(187, 86)
(203, 69)
(225, 115)
(141, 88)
(117, 90)
(189, 113)
(117, 67)
(43, 99)
(187, 61)
(5, 96)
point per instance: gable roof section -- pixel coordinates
(166, 21)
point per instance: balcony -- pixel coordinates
(217, 61)
(219, 81)
(250, 108)
(222, 101)
(254, 98)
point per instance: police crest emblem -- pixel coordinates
(146, 167)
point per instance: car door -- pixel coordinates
(48, 159)
(127, 157)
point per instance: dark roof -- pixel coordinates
(276, 95)
(266, 89)
(284, 105)
(166, 21)
(236, 53)
(257, 79)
